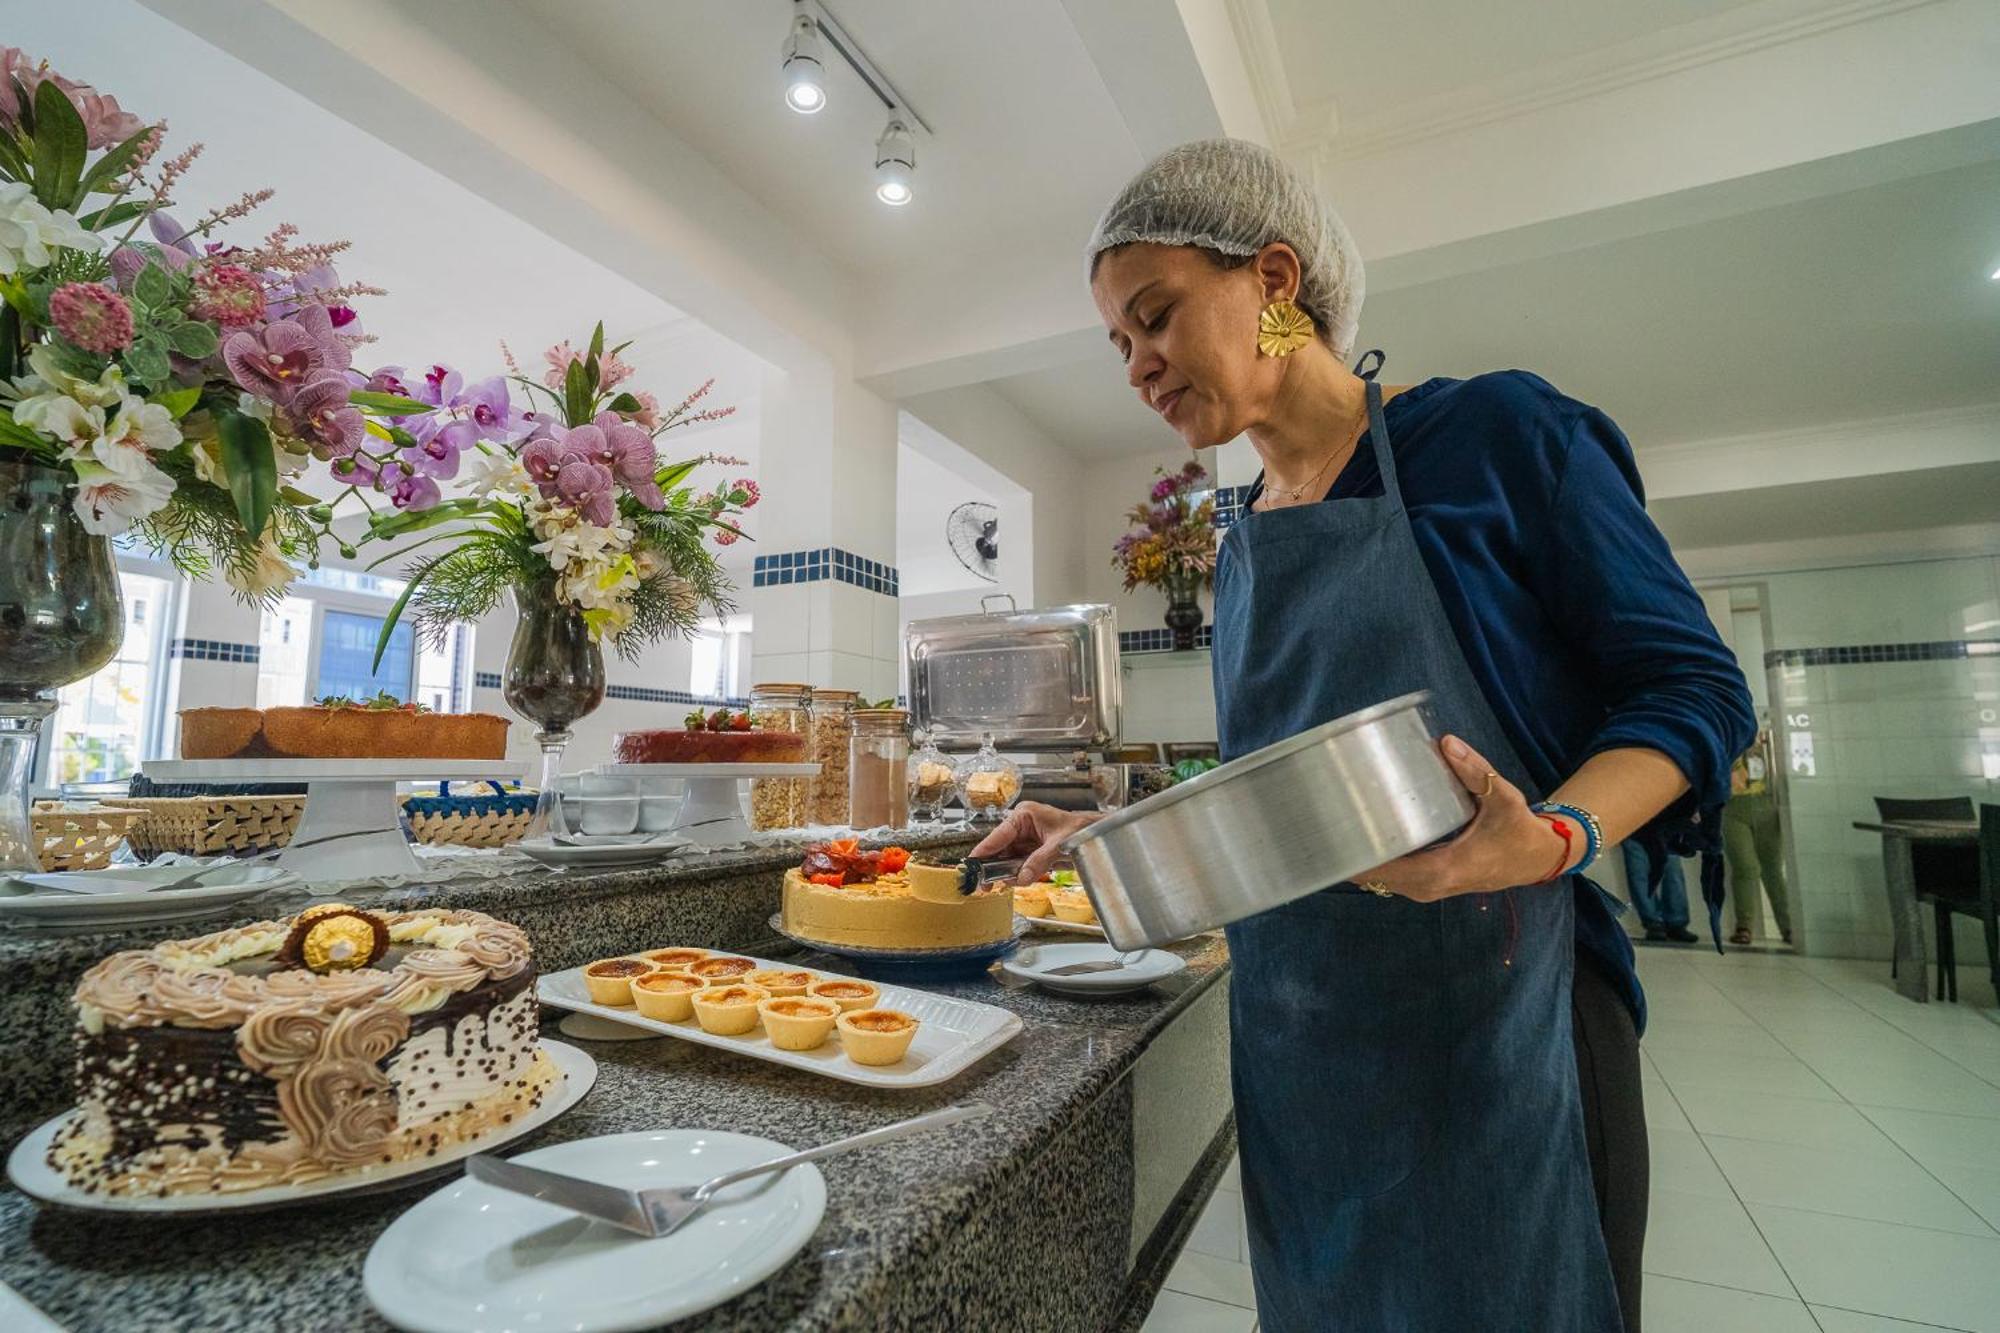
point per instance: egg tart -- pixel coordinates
(720, 969)
(1032, 900)
(675, 960)
(609, 980)
(781, 981)
(876, 1036)
(1073, 905)
(729, 1010)
(667, 997)
(846, 992)
(798, 1022)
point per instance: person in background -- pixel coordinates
(1754, 844)
(1662, 908)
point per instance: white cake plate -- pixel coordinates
(353, 800)
(712, 813)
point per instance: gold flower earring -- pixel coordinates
(1283, 328)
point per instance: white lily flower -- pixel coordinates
(109, 502)
(496, 475)
(269, 573)
(31, 233)
(128, 443)
(107, 390)
(61, 417)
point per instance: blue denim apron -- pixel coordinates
(1406, 1103)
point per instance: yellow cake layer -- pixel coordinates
(884, 915)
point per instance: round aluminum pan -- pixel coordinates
(1260, 831)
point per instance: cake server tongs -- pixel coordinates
(975, 874)
(662, 1211)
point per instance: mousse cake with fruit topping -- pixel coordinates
(844, 895)
(720, 737)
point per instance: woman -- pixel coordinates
(1438, 1130)
(1754, 844)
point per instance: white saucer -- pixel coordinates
(22, 905)
(30, 1171)
(477, 1259)
(1035, 962)
(601, 855)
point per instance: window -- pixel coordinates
(347, 653)
(103, 724)
(718, 654)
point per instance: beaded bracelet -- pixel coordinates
(1593, 832)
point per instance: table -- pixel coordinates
(1906, 917)
(1063, 1213)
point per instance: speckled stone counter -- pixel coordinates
(1060, 1212)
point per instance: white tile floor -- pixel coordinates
(1826, 1158)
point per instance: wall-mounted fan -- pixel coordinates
(974, 533)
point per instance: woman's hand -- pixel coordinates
(1036, 832)
(1505, 845)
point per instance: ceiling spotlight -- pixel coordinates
(805, 73)
(895, 163)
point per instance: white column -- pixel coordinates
(823, 600)
(212, 655)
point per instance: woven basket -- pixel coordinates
(494, 817)
(79, 838)
(213, 825)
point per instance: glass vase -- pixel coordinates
(1183, 609)
(555, 675)
(60, 620)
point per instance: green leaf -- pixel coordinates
(673, 474)
(455, 534)
(195, 340)
(178, 402)
(396, 613)
(624, 402)
(152, 287)
(578, 389)
(108, 168)
(104, 219)
(597, 341)
(252, 467)
(416, 520)
(147, 361)
(388, 404)
(12, 159)
(13, 432)
(26, 103)
(292, 495)
(61, 144)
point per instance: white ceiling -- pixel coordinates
(1025, 136)
(1867, 304)
(461, 274)
(1368, 58)
(1940, 497)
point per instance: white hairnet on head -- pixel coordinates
(1235, 197)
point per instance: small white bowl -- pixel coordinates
(603, 814)
(657, 813)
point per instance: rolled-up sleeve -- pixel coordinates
(1622, 601)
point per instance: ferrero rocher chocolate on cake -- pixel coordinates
(285, 1052)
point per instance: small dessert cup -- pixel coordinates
(730, 1010)
(666, 997)
(609, 980)
(781, 981)
(876, 1036)
(798, 1022)
(847, 992)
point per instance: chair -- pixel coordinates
(1948, 878)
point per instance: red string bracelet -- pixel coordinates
(1562, 831)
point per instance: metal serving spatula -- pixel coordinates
(661, 1212)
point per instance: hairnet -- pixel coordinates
(1235, 197)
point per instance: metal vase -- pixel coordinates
(61, 619)
(555, 675)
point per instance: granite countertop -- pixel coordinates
(909, 1212)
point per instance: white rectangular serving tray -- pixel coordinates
(953, 1036)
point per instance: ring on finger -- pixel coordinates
(1376, 887)
(1487, 790)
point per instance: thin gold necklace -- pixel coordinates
(1293, 493)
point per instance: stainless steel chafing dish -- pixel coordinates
(1273, 826)
(1042, 680)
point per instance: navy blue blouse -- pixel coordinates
(1576, 620)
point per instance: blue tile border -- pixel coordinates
(1229, 502)
(1859, 654)
(828, 562)
(215, 650)
(486, 680)
(645, 694)
(1135, 641)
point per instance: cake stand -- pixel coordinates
(712, 813)
(965, 962)
(352, 800)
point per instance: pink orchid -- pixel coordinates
(276, 360)
(322, 412)
(415, 491)
(628, 451)
(589, 488)
(542, 459)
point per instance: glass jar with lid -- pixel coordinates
(778, 803)
(931, 780)
(877, 769)
(832, 730)
(988, 782)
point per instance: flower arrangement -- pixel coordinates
(1172, 540)
(563, 490)
(183, 380)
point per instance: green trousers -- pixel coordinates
(1754, 846)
